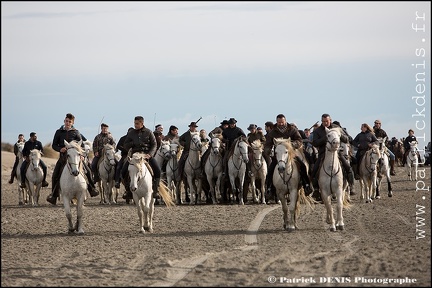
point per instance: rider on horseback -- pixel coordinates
(100, 140)
(319, 141)
(16, 150)
(284, 130)
(142, 139)
(67, 132)
(363, 141)
(33, 143)
(410, 138)
(381, 133)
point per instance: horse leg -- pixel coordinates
(284, 209)
(79, 208)
(67, 209)
(326, 197)
(378, 186)
(339, 210)
(253, 188)
(292, 211)
(140, 209)
(389, 186)
(263, 190)
(240, 192)
(148, 225)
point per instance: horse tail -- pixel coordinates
(306, 200)
(345, 203)
(166, 196)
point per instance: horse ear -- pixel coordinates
(66, 143)
(80, 142)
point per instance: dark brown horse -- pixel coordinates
(398, 150)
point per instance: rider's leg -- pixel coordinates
(44, 169)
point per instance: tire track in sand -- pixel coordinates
(180, 268)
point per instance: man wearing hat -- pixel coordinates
(184, 141)
(216, 131)
(99, 141)
(379, 132)
(229, 135)
(172, 134)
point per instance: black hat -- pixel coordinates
(172, 127)
(337, 123)
(158, 125)
(104, 125)
(232, 121)
(193, 124)
(224, 122)
(252, 126)
(259, 128)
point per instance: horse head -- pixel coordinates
(195, 144)
(215, 145)
(242, 145)
(135, 169)
(109, 154)
(333, 138)
(174, 148)
(284, 152)
(374, 156)
(165, 149)
(257, 149)
(74, 153)
(35, 157)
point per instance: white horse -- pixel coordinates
(383, 169)
(193, 168)
(411, 162)
(286, 180)
(34, 176)
(106, 168)
(214, 167)
(259, 170)
(23, 196)
(368, 173)
(172, 172)
(88, 148)
(73, 184)
(141, 186)
(331, 180)
(237, 161)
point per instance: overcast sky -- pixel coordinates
(174, 62)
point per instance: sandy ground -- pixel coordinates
(384, 242)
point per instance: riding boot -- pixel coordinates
(156, 182)
(13, 174)
(91, 186)
(350, 176)
(44, 182)
(315, 184)
(355, 170)
(127, 194)
(392, 171)
(52, 198)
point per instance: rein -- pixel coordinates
(79, 166)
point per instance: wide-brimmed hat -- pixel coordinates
(252, 126)
(232, 121)
(172, 127)
(224, 122)
(193, 124)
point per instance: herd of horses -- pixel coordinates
(209, 178)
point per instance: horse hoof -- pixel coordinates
(20, 203)
(390, 194)
(340, 227)
(291, 229)
(332, 229)
(81, 232)
(378, 197)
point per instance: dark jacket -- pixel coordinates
(120, 146)
(100, 140)
(363, 139)
(185, 140)
(256, 136)
(320, 138)
(141, 140)
(290, 132)
(230, 134)
(407, 142)
(29, 145)
(16, 150)
(68, 135)
(380, 133)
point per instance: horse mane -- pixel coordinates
(75, 144)
(232, 148)
(287, 144)
(256, 143)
